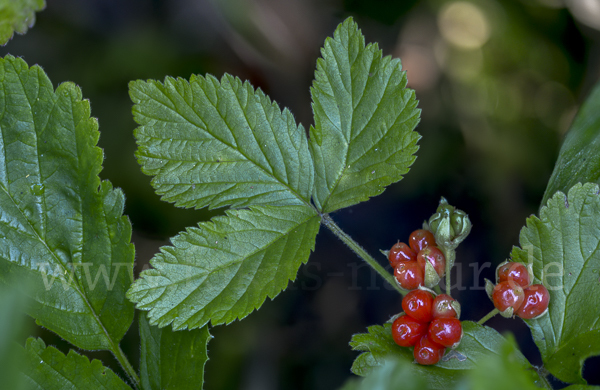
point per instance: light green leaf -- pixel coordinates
(477, 343)
(217, 143)
(172, 360)
(225, 268)
(563, 244)
(11, 327)
(17, 16)
(49, 369)
(579, 157)
(61, 229)
(363, 138)
(392, 374)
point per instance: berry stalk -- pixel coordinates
(488, 316)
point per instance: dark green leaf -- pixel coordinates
(226, 268)
(61, 228)
(17, 16)
(217, 143)
(49, 369)
(564, 246)
(579, 157)
(363, 138)
(172, 360)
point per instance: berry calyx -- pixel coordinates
(444, 306)
(445, 331)
(427, 352)
(400, 252)
(419, 239)
(409, 275)
(407, 331)
(507, 295)
(418, 304)
(515, 272)
(433, 255)
(535, 302)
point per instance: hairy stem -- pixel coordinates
(133, 377)
(488, 316)
(359, 250)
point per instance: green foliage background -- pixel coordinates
(492, 121)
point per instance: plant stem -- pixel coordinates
(133, 377)
(450, 255)
(488, 316)
(359, 250)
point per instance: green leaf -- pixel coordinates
(582, 387)
(579, 157)
(17, 16)
(225, 268)
(217, 143)
(477, 343)
(61, 228)
(11, 328)
(363, 138)
(172, 360)
(392, 374)
(563, 244)
(47, 368)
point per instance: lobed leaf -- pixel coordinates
(218, 143)
(17, 16)
(563, 245)
(49, 369)
(363, 138)
(225, 268)
(62, 231)
(172, 360)
(579, 157)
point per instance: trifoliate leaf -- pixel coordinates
(49, 369)
(172, 360)
(217, 143)
(563, 244)
(392, 374)
(579, 157)
(363, 138)
(61, 229)
(477, 343)
(17, 16)
(225, 268)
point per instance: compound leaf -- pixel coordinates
(564, 246)
(217, 143)
(363, 138)
(49, 369)
(62, 231)
(225, 268)
(172, 360)
(17, 16)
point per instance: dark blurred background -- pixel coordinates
(499, 82)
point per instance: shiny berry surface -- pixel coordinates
(445, 331)
(433, 255)
(418, 304)
(427, 352)
(442, 307)
(535, 302)
(507, 294)
(406, 331)
(409, 275)
(401, 252)
(515, 272)
(419, 239)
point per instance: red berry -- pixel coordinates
(435, 256)
(516, 272)
(419, 239)
(409, 275)
(507, 294)
(427, 352)
(535, 302)
(442, 307)
(406, 331)
(400, 252)
(418, 304)
(445, 331)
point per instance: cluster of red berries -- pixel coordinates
(409, 261)
(514, 290)
(429, 324)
